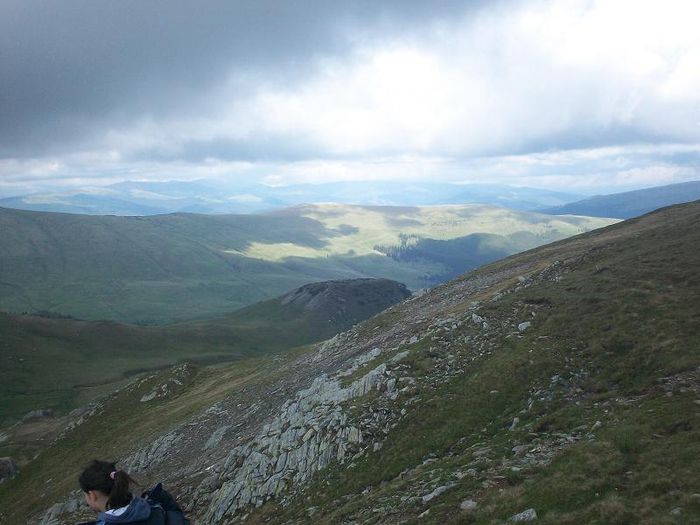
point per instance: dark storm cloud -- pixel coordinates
(547, 92)
(73, 68)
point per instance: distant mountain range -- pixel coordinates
(630, 203)
(209, 196)
(183, 266)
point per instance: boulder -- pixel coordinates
(437, 492)
(8, 468)
(526, 515)
(468, 505)
(524, 326)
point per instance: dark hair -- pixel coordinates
(98, 476)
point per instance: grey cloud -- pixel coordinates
(73, 68)
(256, 149)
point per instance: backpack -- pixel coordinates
(159, 497)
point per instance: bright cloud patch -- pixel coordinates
(561, 94)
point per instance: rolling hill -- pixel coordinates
(561, 383)
(165, 268)
(60, 364)
(630, 203)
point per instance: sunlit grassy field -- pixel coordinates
(157, 269)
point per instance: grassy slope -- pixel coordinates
(62, 363)
(123, 423)
(621, 321)
(185, 266)
(626, 313)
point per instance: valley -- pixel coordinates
(168, 268)
(61, 364)
(561, 383)
(349, 263)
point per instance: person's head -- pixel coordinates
(104, 486)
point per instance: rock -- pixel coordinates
(150, 455)
(38, 415)
(524, 326)
(413, 339)
(514, 424)
(53, 515)
(8, 468)
(520, 450)
(71, 506)
(149, 397)
(398, 358)
(477, 319)
(310, 431)
(676, 511)
(434, 494)
(216, 437)
(526, 515)
(468, 504)
(596, 426)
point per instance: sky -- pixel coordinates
(579, 95)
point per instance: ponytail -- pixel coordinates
(119, 496)
(104, 476)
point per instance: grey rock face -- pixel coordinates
(38, 415)
(524, 326)
(54, 514)
(216, 437)
(468, 504)
(155, 453)
(8, 469)
(435, 493)
(309, 433)
(526, 515)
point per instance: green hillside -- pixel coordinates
(167, 268)
(59, 364)
(589, 415)
(562, 382)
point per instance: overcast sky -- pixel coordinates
(576, 95)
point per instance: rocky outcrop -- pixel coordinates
(180, 376)
(153, 454)
(54, 515)
(346, 301)
(526, 515)
(8, 469)
(38, 415)
(311, 431)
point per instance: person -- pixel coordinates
(107, 492)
